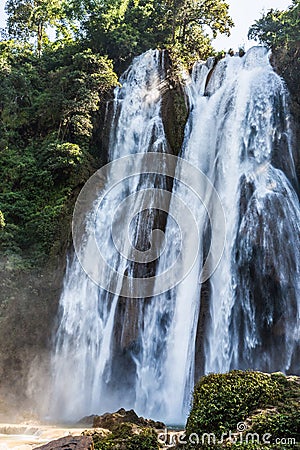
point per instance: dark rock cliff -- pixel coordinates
(286, 63)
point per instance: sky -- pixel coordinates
(243, 12)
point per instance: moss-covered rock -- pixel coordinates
(126, 436)
(248, 410)
(174, 108)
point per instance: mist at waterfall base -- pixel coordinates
(146, 354)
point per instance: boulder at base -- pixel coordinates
(70, 443)
(110, 420)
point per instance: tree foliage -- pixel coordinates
(124, 28)
(2, 220)
(53, 88)
(278, 28)
(27, 18)
(47, 109)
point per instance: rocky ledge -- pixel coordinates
(110, 420)
(70, 443)
(120, 430)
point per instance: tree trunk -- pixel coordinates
(173, 22)
(39, 38)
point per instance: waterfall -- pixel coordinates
(166, 364)
(95, 326)
(255, 296)
(113, 350)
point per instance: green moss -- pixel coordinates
(174, 113)
(263, 403)
(127, 437)
(223, 400)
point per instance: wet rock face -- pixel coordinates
(110, 420)
(174, 111)
(87, 421)
(286, 63)
(28, 301)
(70, 443)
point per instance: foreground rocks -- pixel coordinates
(110, 420)
(70, 443)
(127, 431)
(120, 430)
(125, 436)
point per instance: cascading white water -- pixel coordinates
(82, 362)
(165, 367)
(255, 289)
(141, 353)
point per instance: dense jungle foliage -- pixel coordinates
(59, 61)
(58, 64)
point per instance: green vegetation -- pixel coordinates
(262, 403)
(127, 437)
(124, 28)
(47, 112)
(27, 18)
(53, 94)
(278, 28)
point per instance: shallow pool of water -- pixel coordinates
(27, 437)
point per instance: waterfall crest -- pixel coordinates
(111, 351)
